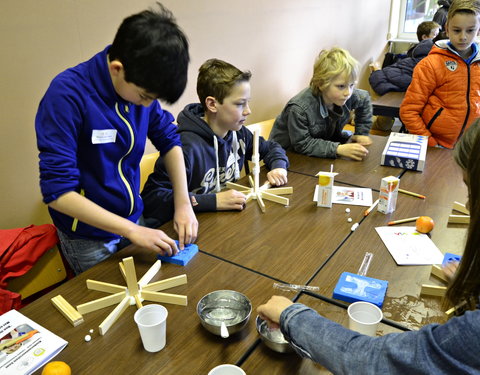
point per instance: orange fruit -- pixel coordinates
(57, 368)
(424, 224)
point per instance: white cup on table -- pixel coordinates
(152, 325)
(364, 317)
(227, 370)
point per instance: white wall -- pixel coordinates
(276, 39)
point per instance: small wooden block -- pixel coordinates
(438, 272)
(459, 219)
(175, 299)
(67, 310)
(433, 290)
(457, 206)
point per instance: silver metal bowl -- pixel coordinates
(227, 306)
(273, 338)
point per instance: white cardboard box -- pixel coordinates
(407, 151)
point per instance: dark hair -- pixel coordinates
(465, 285)
(154, 53)
(440, 15)
(216, 78)
(426, 28)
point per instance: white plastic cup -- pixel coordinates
(152, 324)
(227, 370)
(364, 317)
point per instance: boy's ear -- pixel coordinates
(211, 104)
(115, 67)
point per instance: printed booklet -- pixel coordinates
(25, 345)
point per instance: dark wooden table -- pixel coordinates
(366, 173)
(248, 251)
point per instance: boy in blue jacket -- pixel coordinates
(215, 146)
(91, 129)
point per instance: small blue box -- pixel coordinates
(352, 288)
(182, 257)
(450, 257)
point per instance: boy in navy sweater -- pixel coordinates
(91, 127)
(215, 146)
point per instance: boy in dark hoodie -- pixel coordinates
(215, 146)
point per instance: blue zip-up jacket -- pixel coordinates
(210, 162)
(450, 348)
(307, 126)
(91, 141)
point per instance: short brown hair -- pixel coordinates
(216, 78)
(463, 6)
(426, 28)
(328, 65)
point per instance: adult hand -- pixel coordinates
(277, 177)
(272, 310)
(185, 224)
(230, 200)
(364, 140)
(152, 239)
(353, 151)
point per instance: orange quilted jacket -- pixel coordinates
(444, 96)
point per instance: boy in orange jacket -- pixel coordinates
(444, 96)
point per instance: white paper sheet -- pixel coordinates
(408, 247)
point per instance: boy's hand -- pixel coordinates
(153, 239)
(353, 151)
(277, 177)
(230, 200)
(364, 140)
(185, 224)
(272, 310)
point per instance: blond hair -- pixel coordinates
(463, 6)
(328, 65)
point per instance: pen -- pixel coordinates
(412, 194)
(403, 220)
(369, 209)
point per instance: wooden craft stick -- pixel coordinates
(369, 209)
(166, 284)
(459, 219)
(412, 194)
(433, 290)
(138, 302)
(131, 275)
(101, 303)
(403, 220)
(260, 203)
(113, 316)
(67, 310)
(457, 206)
(275, 198)
(122, 270)
(438, 272)
(105, 287)
(251, 182)
(175, 299)
(280, 190)
(232, 185)
(150, 273)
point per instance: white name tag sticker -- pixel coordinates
(103, 136)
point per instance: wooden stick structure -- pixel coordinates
(459, 219)
(255, 191)
(133, 294)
